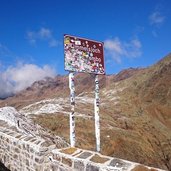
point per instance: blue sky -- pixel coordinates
(120, 22)
(136, 33)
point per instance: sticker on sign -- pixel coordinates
(83, 55)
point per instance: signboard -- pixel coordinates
(83, 55)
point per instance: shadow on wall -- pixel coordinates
(3, 168)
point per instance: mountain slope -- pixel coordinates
(146, 100)
(135, 111)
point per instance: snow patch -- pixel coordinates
(49, 108)
(46, 106)
(56, 105)
(85, 99)
(9, 114)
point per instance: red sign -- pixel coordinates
(83, 55)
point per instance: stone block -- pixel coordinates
(33, 140)
(85, 155)
(37, 142)
(32, 156)
(142, 168)
(38, 167)
(119, 163)
(69, 150)
(67, 161)
(31, 150)
(8, 165)
(27, 138)
(12, 168)
(27, 155)
(57, 157)
(91, 167)
(18, 136)
(54, 167)
(7, 140)
(15, 156)
(8, 147)
(28, 169)
(61, 168)
(47, 144)
(39, 153)
(39, 160)
(17, 150)
(78, 166)
(27, 162)
(98, 159)
(43, 149)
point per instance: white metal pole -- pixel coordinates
(72, 116)
(96, 111)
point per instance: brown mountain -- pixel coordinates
(58, 86)
(135, 111)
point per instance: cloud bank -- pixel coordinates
(116, 49)
(15, 79)
(43, 34)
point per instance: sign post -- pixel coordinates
(83, 55)
(72, 116)
(96, 112)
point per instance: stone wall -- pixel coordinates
(69, 159)
(21, 152)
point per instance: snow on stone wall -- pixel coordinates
(8, 114)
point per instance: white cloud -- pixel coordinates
(156, 18)
(116, 49)
(15, 79)
(6, 87)
(42, 34)
(31, 36)
(45, 33)
(114, 44)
